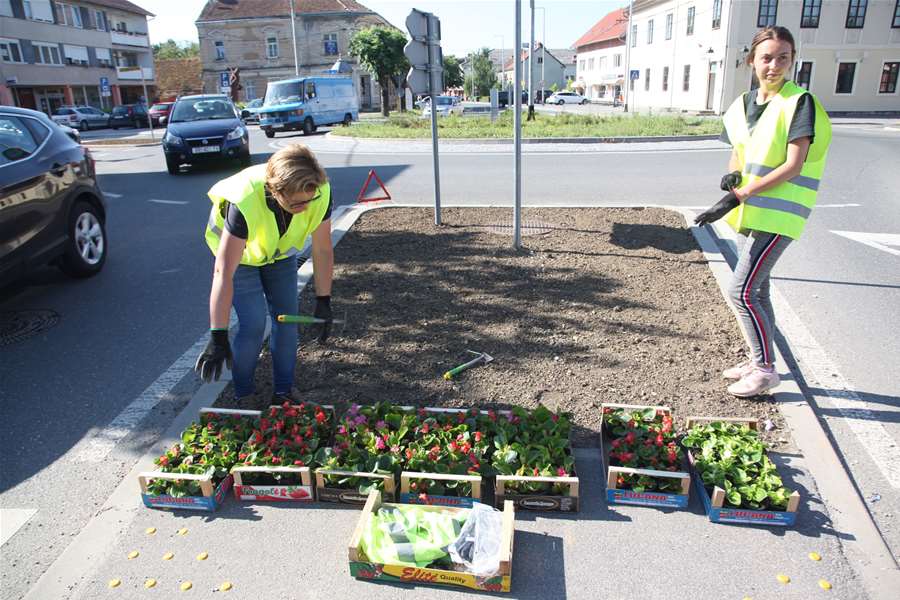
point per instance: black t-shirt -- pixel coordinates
(802, 125)
(236, 225)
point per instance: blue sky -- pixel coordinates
(465, 24)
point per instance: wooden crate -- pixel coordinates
(298, 492)
(407, 497)
(362, 568)
(615, 495)
(541, 502)
(345, 496)
(209, 501)
(715, 505)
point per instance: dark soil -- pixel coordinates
(604, 305)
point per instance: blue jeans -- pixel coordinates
(257, 290)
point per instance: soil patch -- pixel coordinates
(601, 305)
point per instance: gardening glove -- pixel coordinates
(717, 210)
(218, 351)
(731, 181)
(323, 311)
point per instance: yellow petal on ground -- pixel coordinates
(186, 586)
(824, 584)
(133, 554)
(182, 531)
(783, 578)
(114, 583)
(226, 585)
(168, 556)
(150, 583)
(151, 530)
(815, 556)
(202, 556)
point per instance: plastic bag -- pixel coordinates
(478, 544)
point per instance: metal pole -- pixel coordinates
(147, 103)
(433, 93)
(628, 42)
(517, 130)
(543, 51)
(294, 42)
(531, 68)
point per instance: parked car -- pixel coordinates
(543, 96)
(81, 117)
(250, 113)
(565, 97)
(72, 133)
(159, 112)
(204, 128)
(51, 208)
(503, 97)
(306, 103)
(446, 106)
(129, 115)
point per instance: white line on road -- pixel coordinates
(879, 241)
(158, 201)
(111, 195)
(11, 520)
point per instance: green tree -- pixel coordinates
(380, 51)
(172, 49)
(469, 86)
(483, 75)
(453, 74)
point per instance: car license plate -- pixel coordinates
(277, 125)
(202, 149)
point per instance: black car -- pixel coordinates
(503, 98)
(51, 208)
(129, 115)
(204, 128)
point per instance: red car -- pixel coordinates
(159, 113)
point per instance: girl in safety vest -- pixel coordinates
(780, 134)
(258, 224)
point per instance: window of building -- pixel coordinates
(69, 15)
(650, 31)
(845, 76)
(889, 74)
(590, 64)
(250, 91)
(809, 18)
(768, 11)
(103, 57)
(99, 21)
(10, 51)
(46, 54)
(717, 14)
(122, 27)
(6, 8)
(581, 65)
(272, 47)
(665, 81)
(38, 10)
(804, 74)
(856, 14)
(896, 21)
(646, 80)
(331, 44)
(686, 83)
(540, 59)
(75, 55)
(617, 59)
(690, 20)
(669, 20)
(634, 35)
(220, 50)
(601, 64)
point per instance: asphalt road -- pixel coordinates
(118, 332)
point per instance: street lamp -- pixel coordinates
(543, 49)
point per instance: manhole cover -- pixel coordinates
(21, 325)
(528, 228)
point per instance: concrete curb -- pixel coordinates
(500, 141)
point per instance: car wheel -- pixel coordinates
(172, 166)
(269, 133)
(246, 160)
(114, 127)
(560, 102)
(83, 126)
(348, 118)
(584, 101)
(87, 246)
(309, 127)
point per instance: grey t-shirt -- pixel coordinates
(802, 125)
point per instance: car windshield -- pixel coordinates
(282, 92)
(444, 101)
(160, 107)
(201, 109)
(120, 110)
(255, 103)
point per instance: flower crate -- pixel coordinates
(344, 495)
(211, 483)
(414, 497)
(362, 568)
(567, 502)
(714, 503)
(628, 484)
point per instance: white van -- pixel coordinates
(305, 103)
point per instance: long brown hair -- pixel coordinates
(772, 33)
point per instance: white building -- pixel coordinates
(690, 54)
(600, 58)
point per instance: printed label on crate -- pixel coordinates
(646, 498)
(274, 493)
(547, 503)
(429, 500)
(756, 517)
(497, 583)
(190, 502)
(339, 495)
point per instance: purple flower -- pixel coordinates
(380, 425)
(509, 417)
(354, 408)
(360, 420)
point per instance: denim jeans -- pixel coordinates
(257, 290)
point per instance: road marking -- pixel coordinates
(11, 520)
(158, 201)
(111, 195)
(879, 241)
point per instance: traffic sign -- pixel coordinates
(104, 87)
(635, 74)
(423, 51)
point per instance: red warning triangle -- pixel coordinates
(362, 192)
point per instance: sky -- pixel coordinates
(465, 24)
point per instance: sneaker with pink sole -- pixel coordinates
(739, 370)
(754, 383)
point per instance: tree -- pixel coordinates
(380, 51)
(469, 86)
(483, 75)
(171, 49)
(453, 75)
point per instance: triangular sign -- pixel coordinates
(362, 192)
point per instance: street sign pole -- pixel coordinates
(531, 69)
(434, 51)
(628, 43)
(517, 130)
(294, 42)
(147, 104)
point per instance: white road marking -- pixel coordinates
(879, 241)
(111, 195)
(158, 201)
(11, 520)
(167, 271)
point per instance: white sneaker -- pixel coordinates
(739, 370)
(754, 383)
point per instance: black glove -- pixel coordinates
(717, 210)
(731, 181)
(218, 351)
(323, 311)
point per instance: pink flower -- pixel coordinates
(395, 449)
(379, 444)
(342, 430)
(561, 472)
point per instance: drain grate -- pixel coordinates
(20, 325)
(528, 228)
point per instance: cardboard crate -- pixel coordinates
(615, 495)
(362, 568)
(407, 497)
(346, 496)
(541, 502)
(715, 505)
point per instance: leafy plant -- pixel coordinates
(643, 439)
(732, 457)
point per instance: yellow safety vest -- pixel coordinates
(784, 208)
(246, 190)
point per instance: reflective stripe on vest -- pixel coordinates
(409, 535)
(784, 208)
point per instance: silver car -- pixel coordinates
(565, 97)
(81, 117)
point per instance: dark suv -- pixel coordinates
(129, 115)
(51, 209)
(202, 129)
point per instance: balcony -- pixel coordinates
(134, 73)
(130, 38)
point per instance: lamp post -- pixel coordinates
(628, 42)
(294, 42)
(543, 49)
(531, 68)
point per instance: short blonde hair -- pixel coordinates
(294, 169)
